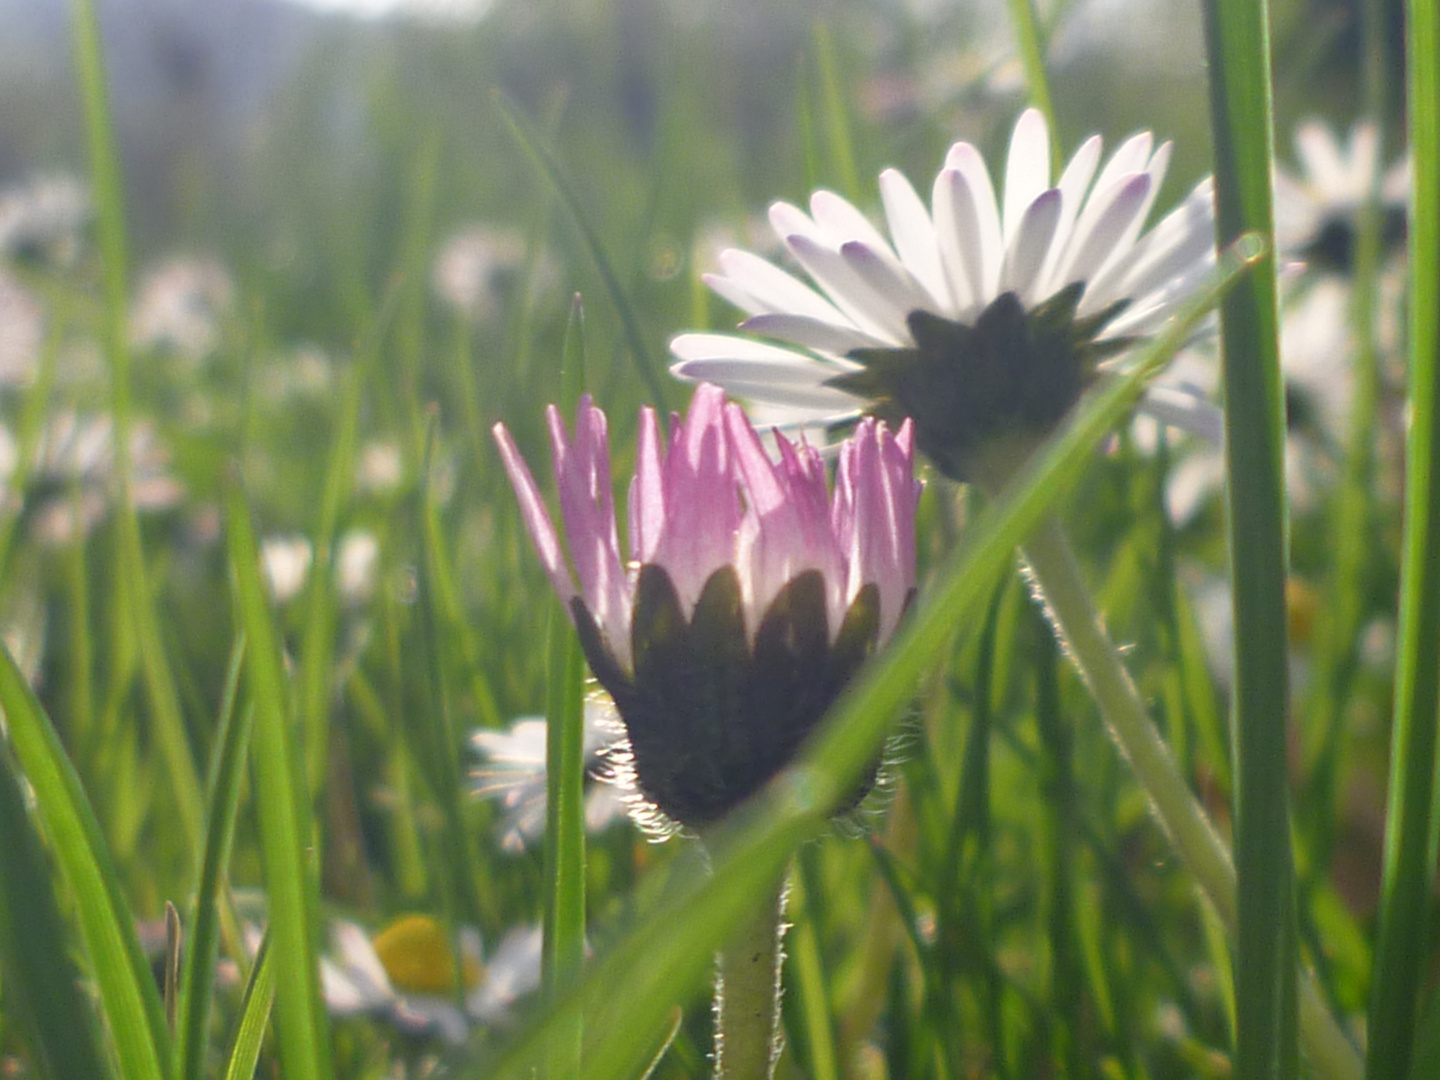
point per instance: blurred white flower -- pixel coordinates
(356, 559)
(285, 561)
(305, 371)
(407, 974)
(1317, 212)
(22, 332)
(380, 468)
(512, 771)
(71, 480)
(181, 307)
(44, 219)
(480, 267)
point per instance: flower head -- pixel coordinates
(408, 974)
(1317, 212)
(978, 317)
(750, 595)
(512, 771)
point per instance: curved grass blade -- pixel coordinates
(1408, 878)
(166, 715)
(283, 811)
(198, 988)
(627, 995)
(128, 997)
(534, 146)
(1032, 59)
(42, 987)
(1238, 43)
(254, 1016)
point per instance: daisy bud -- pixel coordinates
(751, 595)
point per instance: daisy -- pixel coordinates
(1317, 212)
(407, 974)
(981, 318)
(512, 771)
(750, 597)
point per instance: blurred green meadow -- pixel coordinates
(262, 574)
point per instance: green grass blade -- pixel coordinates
(564, 868)
(198, 988)
(128, 997)
(254, 1016)
(318, 644)
(564, 949)
(836, 113)
(626, 996)
(534, 146)
(1411, 827)
(1237, 36)
(283, 811)
(42, 987)
(1032, 60)
(166, 716)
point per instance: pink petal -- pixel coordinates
(536, 517)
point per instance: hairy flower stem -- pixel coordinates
(1079, 627)
(747, 993)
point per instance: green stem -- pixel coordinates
(747, 992)
(1079, 627)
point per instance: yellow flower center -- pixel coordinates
(419, 957)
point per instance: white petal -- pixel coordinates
(970, 164)
(1027, 170)
(1319, 155)
(692, 348)
(843, 222)
(1030, 246)
(914, 235)
(1132, 156)
(1073, 183)
(809, 333)
(1182, 409)
(958, 233)
(773, 287)
(872, 312)
(887, 278)
(1097, 239)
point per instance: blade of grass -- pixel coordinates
(1238, 44)
(1032, 60)
(42, 987)
(836, 113)
(534, 146)
(626, 996)
(1411, 823)
(232, 746)
(564, 944)
(166, 716)
(126, 989)
(318, 643)
(283, 812)
(254, 1016)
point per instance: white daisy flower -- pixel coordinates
(1317, 212)
(182, 306)
(979, 317)
(407, 974)
(285, 562)
(513, 772)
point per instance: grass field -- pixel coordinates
(263, 576)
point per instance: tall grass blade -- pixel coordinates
(198, 987)
(129, 1000)
(1408, 880)
(166, 715)
(836, 113)
(42, 987)
(283, 810)
(254, 1016)
(1032, 60)
(1238, 43)
(627, 994)
(564, 947)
